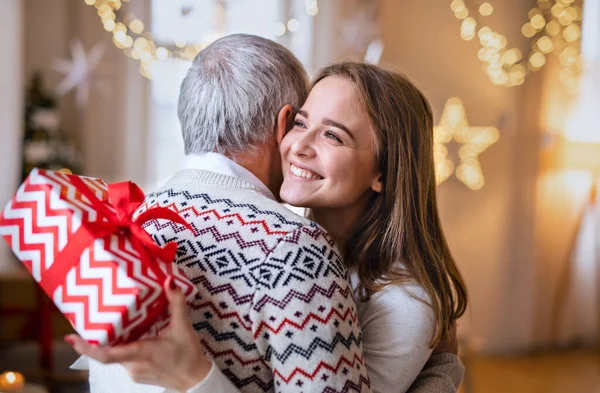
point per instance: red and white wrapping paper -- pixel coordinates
(77, 238)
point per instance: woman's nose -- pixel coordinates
(304, 145)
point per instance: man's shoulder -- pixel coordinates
(247, 205)
(248, 211)
(248, 230)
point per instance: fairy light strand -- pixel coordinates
(553, 27)
(130, 34)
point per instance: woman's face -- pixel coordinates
(329, 155)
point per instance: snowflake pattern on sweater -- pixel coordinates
(275, 310)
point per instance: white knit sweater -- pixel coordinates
(275, 310)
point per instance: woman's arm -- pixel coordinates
(397, 332)
(443, 373)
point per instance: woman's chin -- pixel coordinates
(295, 198)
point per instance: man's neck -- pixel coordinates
(260, 164)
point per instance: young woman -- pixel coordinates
(360, 157)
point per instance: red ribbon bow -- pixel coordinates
(125, 198)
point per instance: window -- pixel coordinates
(590, 39)
(583, 124)
(175, 21)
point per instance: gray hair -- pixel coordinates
(232, 93)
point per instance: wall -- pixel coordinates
(11, 102)
(108, 151)
(490, 230)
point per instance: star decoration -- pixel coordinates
(474, 140)
(79, 71)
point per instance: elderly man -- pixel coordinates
(261, 318)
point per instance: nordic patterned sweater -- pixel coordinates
(275, 310)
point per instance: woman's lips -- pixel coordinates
(304, 172)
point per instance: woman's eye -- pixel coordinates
(331, 135)
(298, 123)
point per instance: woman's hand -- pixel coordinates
(173, 360)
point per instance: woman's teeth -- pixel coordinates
(304, 174)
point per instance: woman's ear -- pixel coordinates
(284, 121)
(377, 184)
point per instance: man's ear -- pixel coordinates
(284, 122)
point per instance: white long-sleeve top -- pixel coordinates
(397, 332)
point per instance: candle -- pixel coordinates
(11, 381)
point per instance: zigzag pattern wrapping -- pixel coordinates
(109, 295)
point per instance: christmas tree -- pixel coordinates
(44, 145)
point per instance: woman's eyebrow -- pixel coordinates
(329, 122)
(342, 127)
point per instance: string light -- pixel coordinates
(293, 25)
(486, 9)
(537, 61)
(279, 29)
(571, 33)
(474, 141)
(554, 28)
(130, 34)
(136, 26)
(468, 26)
(538, 22)
(312, 7)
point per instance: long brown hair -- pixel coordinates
(400, 237)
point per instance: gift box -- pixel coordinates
(82, 243)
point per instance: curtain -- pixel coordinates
(11, 105)
(581, 311)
